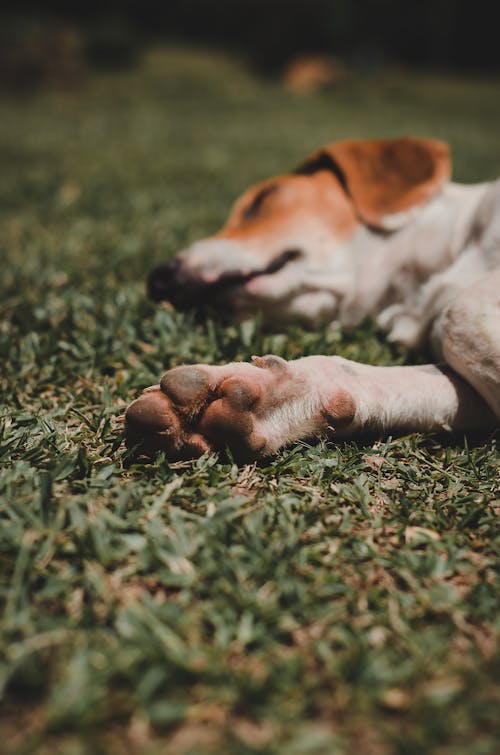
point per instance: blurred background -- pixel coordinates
(58, 40)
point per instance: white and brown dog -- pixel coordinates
(360, 228)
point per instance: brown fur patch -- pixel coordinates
(288, 199)
(387, 176)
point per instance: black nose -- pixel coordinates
(162, 283)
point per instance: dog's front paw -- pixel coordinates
(254, 409)
(200, 408)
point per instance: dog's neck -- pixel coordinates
(389, 267)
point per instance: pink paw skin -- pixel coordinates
(254, 409)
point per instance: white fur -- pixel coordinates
(293, 419)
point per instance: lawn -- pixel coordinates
(335, 599)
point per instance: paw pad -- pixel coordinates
(151, 422)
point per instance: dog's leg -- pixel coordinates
(470, 333)
(255, 409)
(416, 323)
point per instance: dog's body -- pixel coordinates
(361, 228)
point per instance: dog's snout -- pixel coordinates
(187, 287)
(162, 283)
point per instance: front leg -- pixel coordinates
(255, 409)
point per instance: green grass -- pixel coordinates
(333, 600)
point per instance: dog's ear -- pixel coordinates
(388, 180)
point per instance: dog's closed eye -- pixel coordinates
(289, 255)
(253, 209)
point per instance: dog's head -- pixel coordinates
(285, 249)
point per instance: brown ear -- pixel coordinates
(387, 179)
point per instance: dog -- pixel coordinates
(360, 228)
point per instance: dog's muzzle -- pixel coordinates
(167, 282)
